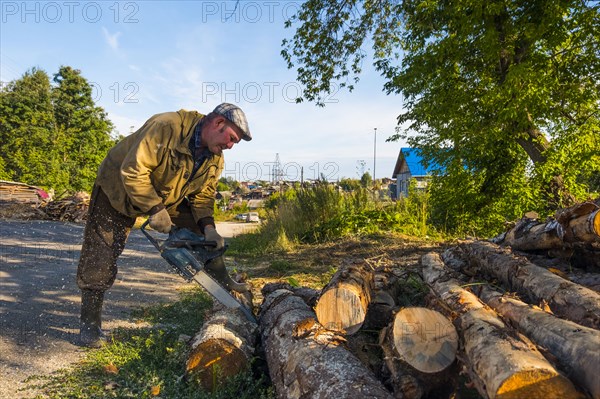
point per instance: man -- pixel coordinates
(167, 170)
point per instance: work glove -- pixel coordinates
(210, 234)
(161, 221)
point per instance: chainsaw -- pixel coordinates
(188, 253)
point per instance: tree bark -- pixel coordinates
(308, 295)
(307, 361)
(343, 303)
(222, 348)
(584, 228)
(575, 347)
(535, 144)
(530, 235)
(419, 345)
(500, 363)
(566, 299)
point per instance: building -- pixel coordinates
(409, 166)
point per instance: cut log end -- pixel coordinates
(213, 360)
(596, 222)
(425, 339)
(537, 384)
(341, 309)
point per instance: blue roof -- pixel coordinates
(413, 160)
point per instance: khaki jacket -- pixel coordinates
(152, 166)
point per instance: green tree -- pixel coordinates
(230, 182)
(27, 128)
(502, 94)
(366, 180)
(52, 136)
(222, 186)
(350, 184)
(83, 126)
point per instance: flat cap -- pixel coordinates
(235, 115)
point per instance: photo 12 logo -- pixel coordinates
(119, 93)
(272, 171)
(69, 11)
(248, 11)
(254, 92)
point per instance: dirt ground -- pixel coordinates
(39, 299)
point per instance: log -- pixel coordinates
(307, 361)
(530, 234)
(581, 222)
(419, 345)
(578, 224)
(222, 348)
(565, 298)
(343, 303)
(575, 347)
(501, 364)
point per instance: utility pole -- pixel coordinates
(374, 153)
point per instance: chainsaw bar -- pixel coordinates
(221, 294)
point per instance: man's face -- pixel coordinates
(220, 134)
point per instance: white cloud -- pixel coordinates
(111, 40)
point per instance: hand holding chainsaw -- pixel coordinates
(161, 221)
(210, 234)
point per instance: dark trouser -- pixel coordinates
(104, 239)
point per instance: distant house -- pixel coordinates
(255, 203)
(409, 166)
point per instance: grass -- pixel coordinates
(148, 362)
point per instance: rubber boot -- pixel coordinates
(90, 327)
(216, 268)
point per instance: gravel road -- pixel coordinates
(39, 299)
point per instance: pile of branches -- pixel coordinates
(69, 209)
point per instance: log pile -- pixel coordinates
(500, 363)
(497, 322)
(517, 299)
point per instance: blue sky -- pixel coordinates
(146, 57)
